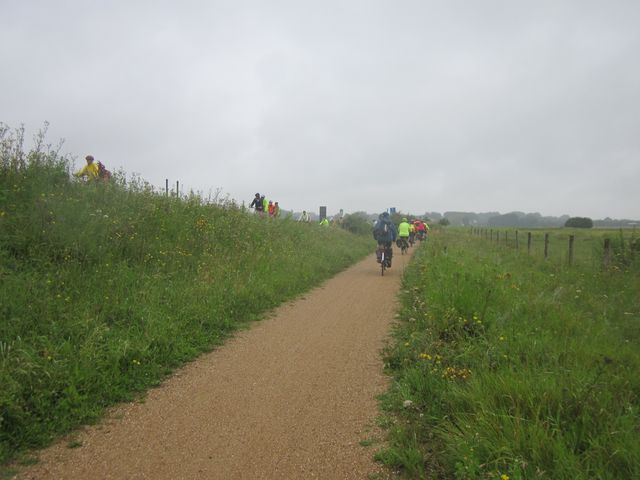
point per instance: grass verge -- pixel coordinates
(510, 367)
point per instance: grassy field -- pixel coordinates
(105, 288)
(588, 244)
(507, 366)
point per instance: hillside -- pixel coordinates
(105, 288)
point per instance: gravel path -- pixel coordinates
(290, 398)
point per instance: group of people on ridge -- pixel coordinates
(263, 206)
(385, 233)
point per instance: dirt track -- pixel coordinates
(291, 398)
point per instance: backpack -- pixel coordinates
(103, 173)
(381, 230)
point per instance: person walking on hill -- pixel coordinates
(90, 170)
(304, 217)
(276, 210)
(270, 208)
(324, 222)
(103, 173)
(385, 233)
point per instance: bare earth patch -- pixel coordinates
(290, 398)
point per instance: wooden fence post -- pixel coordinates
(498, 236)
(546, 246)
(571, 237)
(607, 252)
(517, 244)
(166, 187)
(529, 243)
(177, 189)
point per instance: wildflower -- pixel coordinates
(407, 403)
(501, 338)
(425, 356)
(406, 344)
(504, 476)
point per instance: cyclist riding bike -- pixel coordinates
(421, 229)
(404, 230)
(412, 234)
(385, 233)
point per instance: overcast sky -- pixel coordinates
(361, 105)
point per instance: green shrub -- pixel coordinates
(579, 222)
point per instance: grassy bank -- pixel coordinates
(507, 366)
(104, 289)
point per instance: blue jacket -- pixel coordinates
(379, 234)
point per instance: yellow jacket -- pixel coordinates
(90, 170)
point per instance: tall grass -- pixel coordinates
(507, 366)
(105, 288)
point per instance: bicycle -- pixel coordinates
(382, 257)
(403, 244)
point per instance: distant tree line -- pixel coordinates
(361, 221)
(523, 220)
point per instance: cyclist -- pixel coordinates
(385, 233)
(404, 230)
(412, 233)
(257, 203)
(90, 170)
(421, 230)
